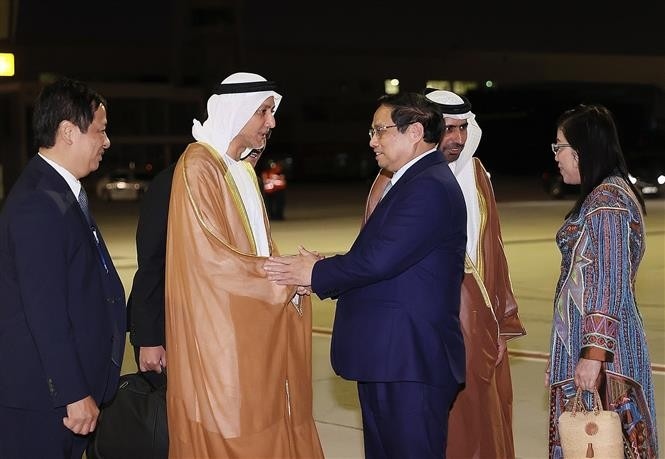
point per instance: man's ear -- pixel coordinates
(416, 131)
(66, 131)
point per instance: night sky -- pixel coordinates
(332, 32)
(360, 26)
(563, 26)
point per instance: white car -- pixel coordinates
(122, 185)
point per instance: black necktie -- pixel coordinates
(83, 202)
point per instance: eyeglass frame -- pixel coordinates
(557, 146)
(379, 130)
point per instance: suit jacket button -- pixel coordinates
(51, 388)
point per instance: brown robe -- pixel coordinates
(239, 361)
(480, 421)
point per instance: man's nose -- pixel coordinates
(271, 122)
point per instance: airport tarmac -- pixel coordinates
(326, 217)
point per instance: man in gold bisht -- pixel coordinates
(240, 382)
(480, 422)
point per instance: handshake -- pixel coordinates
(293, 269)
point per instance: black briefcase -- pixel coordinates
(133, 424)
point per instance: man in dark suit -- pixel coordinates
(145, 306)
(62, 314)
(397, 329)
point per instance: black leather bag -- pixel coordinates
(133, 424)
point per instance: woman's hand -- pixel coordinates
(586, 373)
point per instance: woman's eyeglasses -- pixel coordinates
(558, 146)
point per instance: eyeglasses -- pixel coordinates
(379, 130)
(558, 146)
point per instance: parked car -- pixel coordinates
(122, 185)
(556, 188)
(647, 172)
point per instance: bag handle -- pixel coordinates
(578, 404)
(152, 385)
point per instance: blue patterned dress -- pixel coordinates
(596, 316)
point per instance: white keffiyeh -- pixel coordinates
(227, 115)
(463, 167)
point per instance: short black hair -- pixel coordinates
(409, 108)
(64, 99)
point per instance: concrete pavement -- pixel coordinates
(327, 218)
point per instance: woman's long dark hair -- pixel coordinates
(591, 132)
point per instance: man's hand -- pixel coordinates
(501, 350)
(82, 416)
(304, 290)
(292, 270)
(152, 358)
(586, 373)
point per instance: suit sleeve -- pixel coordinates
(147, 295)
(422, 216)
(40, 236)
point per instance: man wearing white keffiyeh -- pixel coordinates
(239, 369)
(480, 424)
(229, 114)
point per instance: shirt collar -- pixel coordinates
(73, 182)
(398, 174)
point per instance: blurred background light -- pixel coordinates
(6, 64)
(391, 86)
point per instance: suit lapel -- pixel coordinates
(58, 188)
(428, 160)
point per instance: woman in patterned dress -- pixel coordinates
(598, 338)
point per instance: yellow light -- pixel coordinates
(444, 85)
(391, 86)
(6, 64)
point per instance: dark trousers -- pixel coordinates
(31, 434)
(405, 419)
(275, 203)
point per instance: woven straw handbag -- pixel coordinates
(596, 433)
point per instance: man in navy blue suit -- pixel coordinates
(397, 330)
(62, 313)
